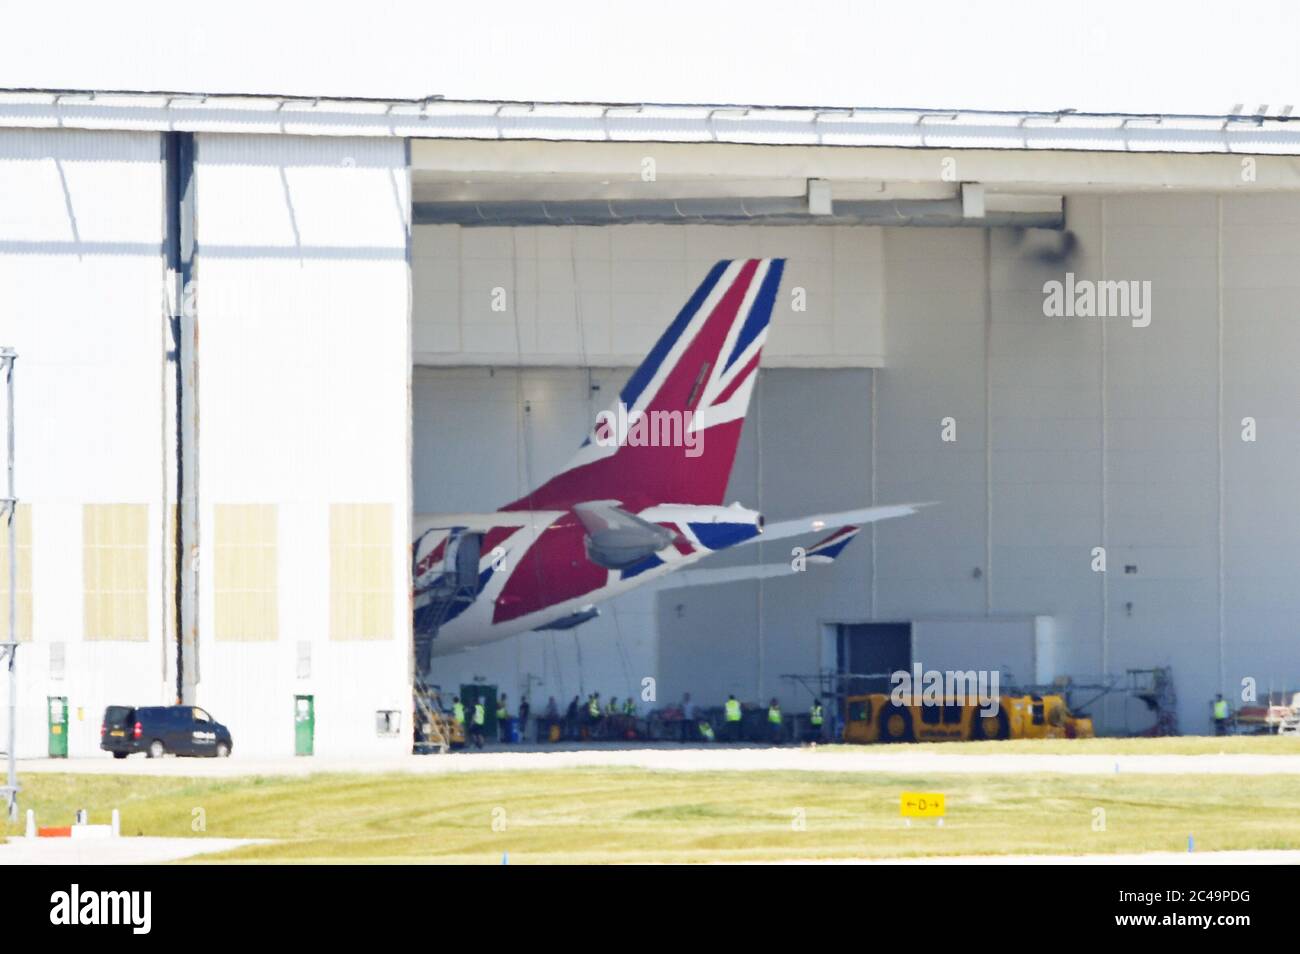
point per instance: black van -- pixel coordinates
(158, 730)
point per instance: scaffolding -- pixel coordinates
(9, 648)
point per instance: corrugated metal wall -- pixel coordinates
(304, 358)
(304, 350)
(600, 297)
(81, 300)
(1105, 434)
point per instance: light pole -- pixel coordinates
(7, 358)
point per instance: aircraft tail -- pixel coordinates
(672, 435)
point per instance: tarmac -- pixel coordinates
(111, 851)
(147, 851)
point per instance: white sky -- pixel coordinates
(1095, 55)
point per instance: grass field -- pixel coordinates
(633, 815)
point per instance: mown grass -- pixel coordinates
(630, 815)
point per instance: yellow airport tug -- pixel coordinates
(874, 717)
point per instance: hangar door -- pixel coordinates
(871, 651)
(304, 461)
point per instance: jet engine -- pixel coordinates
(617, 539)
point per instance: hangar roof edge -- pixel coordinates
(864, 127)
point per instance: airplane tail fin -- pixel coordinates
(828, 548)
(671, 437)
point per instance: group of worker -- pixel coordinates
(473, 729)
(775, 721)
(612, 720)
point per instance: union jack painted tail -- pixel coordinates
(691, 393)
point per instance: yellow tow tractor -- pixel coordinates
(875, 717)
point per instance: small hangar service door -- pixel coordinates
(304, 725)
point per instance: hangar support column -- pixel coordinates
(178, 238)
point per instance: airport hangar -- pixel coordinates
(326, 276)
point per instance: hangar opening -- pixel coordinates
(538, 289)
(910, 358)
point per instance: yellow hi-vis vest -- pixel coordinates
(479, 713)
(629, 708)
(593, 707)
(815, 716)
(502, 712)
(774, 715)
(733, 710)
(1220, 709)
(458, 713)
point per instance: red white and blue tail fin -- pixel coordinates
(672, 435)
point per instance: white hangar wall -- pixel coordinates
(630, 281)
(81, 301)
(1104, 434)
(1101, 434)
(303, 307)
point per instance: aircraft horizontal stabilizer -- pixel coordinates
(848, 525)
(818, 523)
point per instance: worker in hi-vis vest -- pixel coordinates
(503, 719)
(732, 710)
(816, 718)
(774, 722)
(479, 720)
(593, 713)
(1220, 715)
(458, 710)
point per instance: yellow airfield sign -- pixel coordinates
(921, 805)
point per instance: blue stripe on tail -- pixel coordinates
(643, 375)
(760, 314)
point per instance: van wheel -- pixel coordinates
(990, 727)
(156, 750)
(895, 724)
(223, 750)
(119, 755)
